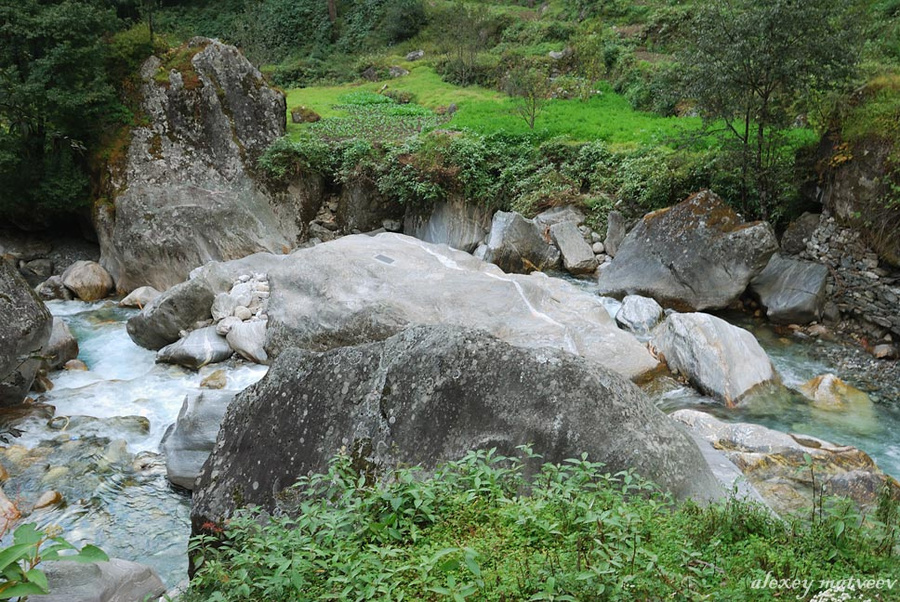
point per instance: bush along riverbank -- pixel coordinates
(478, 529)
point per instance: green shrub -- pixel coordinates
(467, 531)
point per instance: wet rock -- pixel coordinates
(516, 245)
(62, 346)
(791, 290)
(456, 223)
(187, 195)
(427, 395)
(88, 280)
(639, 315)
(577, 256)
(885, 352)
(188, 443)
(113, 581)
(693, 256)
(215, 380)
(775, 463)
(25, 327)
(53, 288)
(9, 513)
(830, 393)
(615, 232)
(197, 349)
(75, 365)
(140, 297)
(48, 499)
(718, 359)
(359, 289)
(248, 340)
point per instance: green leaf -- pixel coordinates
(28, 534)
(14, 553)
(21, 589)
(38, 577)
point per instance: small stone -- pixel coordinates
(216, 380)
(48, 499)
(885, 352)
(75, 365)
(597, 247)
(242, 313)
(816, 330)
(225, 325)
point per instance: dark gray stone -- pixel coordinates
(516, 245)
(61, 347)
(25, 326)
(794, 239)
(693, 256)
(53, 288)
(199, 348)
(191, 439)
(427, 395)
(791, 290)
(615, 232)
(456, 223)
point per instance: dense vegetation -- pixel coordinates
(468, 532)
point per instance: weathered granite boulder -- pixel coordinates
(25, 326)
(455, 222)
(427, 395)
(199, 348)
(140, 297)
(718, 359)
(791, 290)
(359, 289)
(799, 232)
(61, 347)
(639, 314)
(113, 581)
(693, 256)
(88, 280)
(775, 463)
(615, 233)
(188, 443)
(179, 308)
(577, 256)
(184, 195)
(516, 245)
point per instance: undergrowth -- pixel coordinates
(478, 529)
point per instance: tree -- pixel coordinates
(529, 86)
(461, 33)
(54, 94)
(750, 65)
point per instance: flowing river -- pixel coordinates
(101, 450)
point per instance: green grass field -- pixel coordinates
(606, 116)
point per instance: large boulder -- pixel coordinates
(455, 222)
(113, 581)
(718, 359)
(88, 280)
(248, 340)
(577, 256)
(25, 326)
(615, 233)
(558, 215)
(790, 471)
(188, 443)
(518, 246)
(184, 195)
(428, 395)
(693, 256)
(140, 297)
(791, 290)
(161, 322)
(199, 348)
(358, 289)
(62, 345)
(799, 232)
(639, 314)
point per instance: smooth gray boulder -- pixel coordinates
(791, 290)
(185, 194)
(140, 297)
(358, 289)
(558, 215)
(248, 340)
(179, 308)
(455, 222)
(718, 359)
(615, 233)
(113, 581)
(693, 256)
(639, 314)
(62, 345)
(517, 246)
(188, 443)
(25, 327)
(427, 395)
(88, 280)
(577, 255)
(199, 348)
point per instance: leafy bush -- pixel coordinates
(468, 532)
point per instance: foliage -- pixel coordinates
(55, 96)
(462, 31)
(751, 61)
(468, 531)
(19, 572)
(529, 85)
